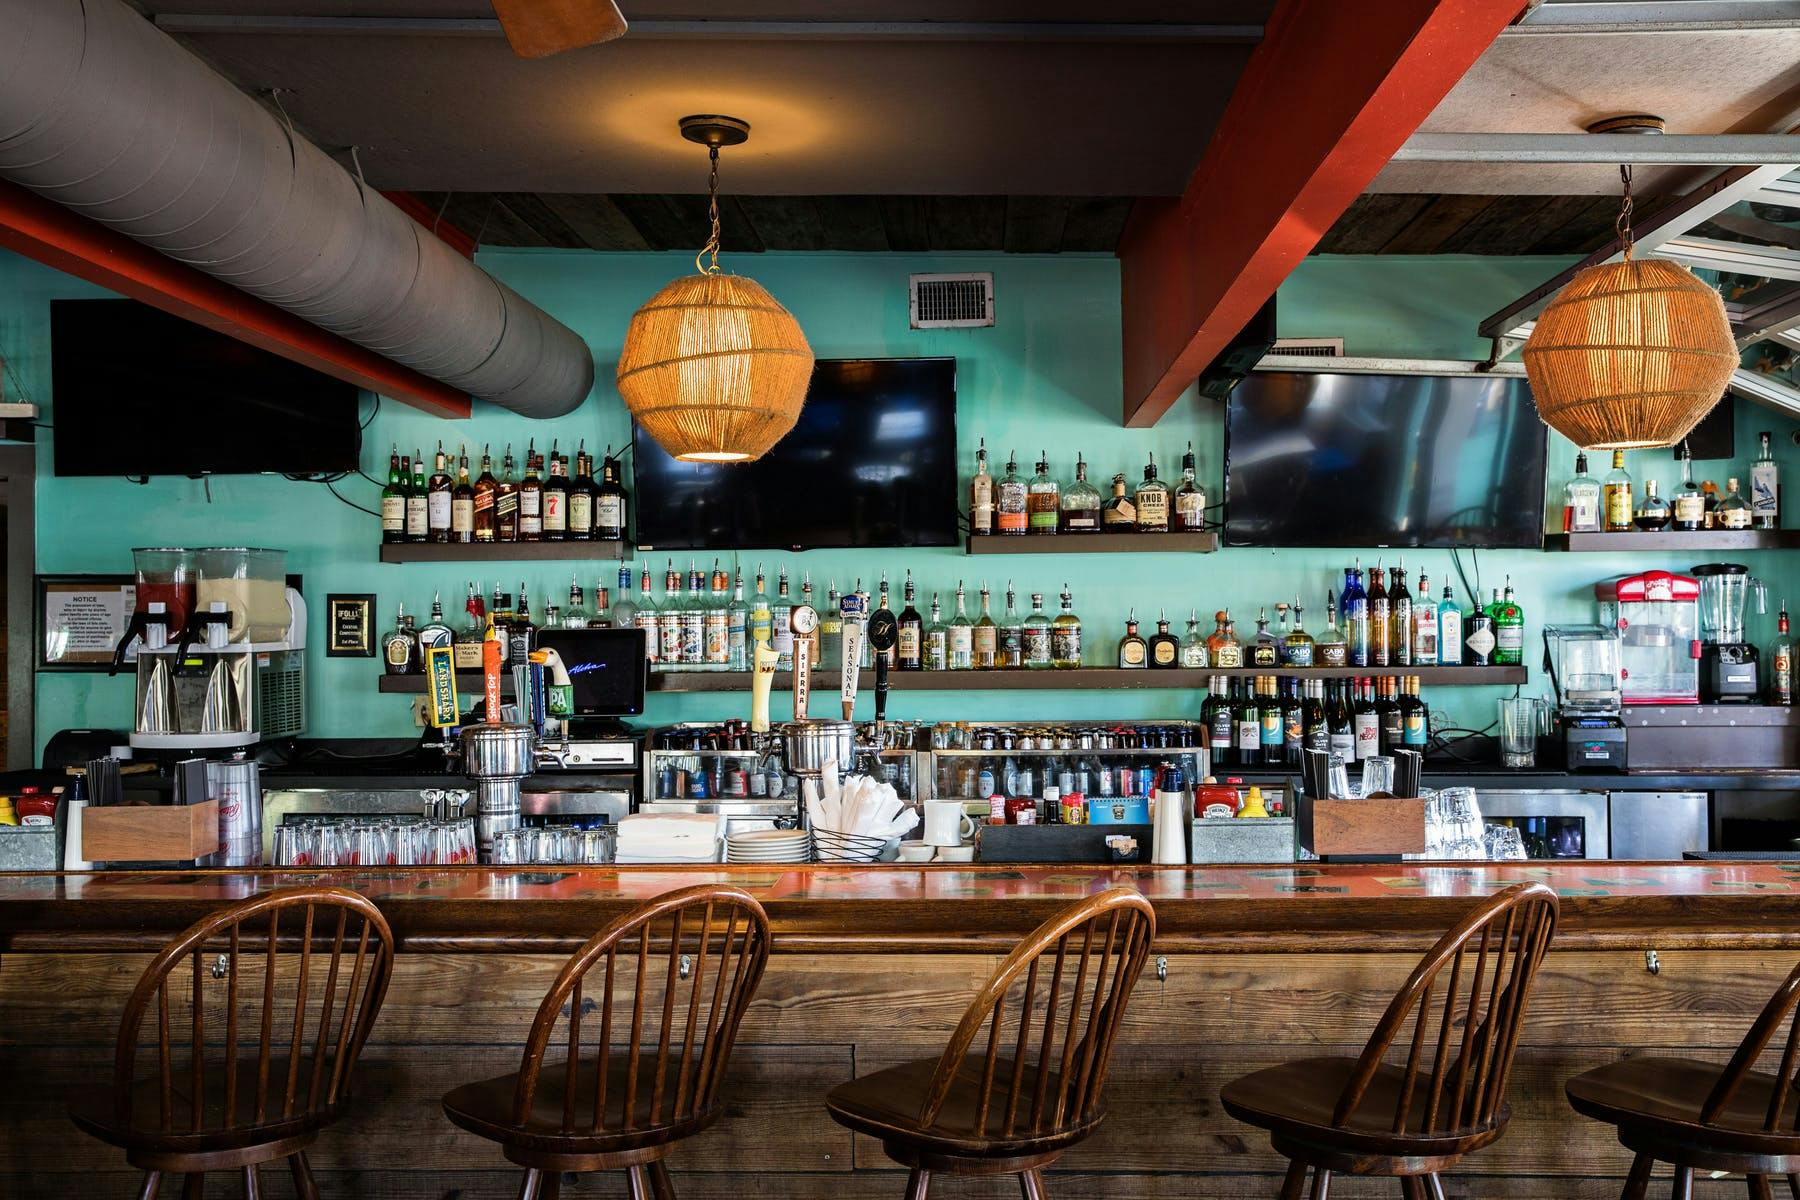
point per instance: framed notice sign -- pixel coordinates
(350, 625)
(81, 619)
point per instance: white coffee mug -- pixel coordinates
(946, 824)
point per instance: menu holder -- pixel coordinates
(150, 833)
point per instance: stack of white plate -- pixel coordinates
(769, 846)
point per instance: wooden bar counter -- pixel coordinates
(871, 966)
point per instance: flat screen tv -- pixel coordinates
(137, 391)
(872, 462)
(1383, 460)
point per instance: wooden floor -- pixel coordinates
(816, 1021)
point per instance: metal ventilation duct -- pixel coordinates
(105, 114)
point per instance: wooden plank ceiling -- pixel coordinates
(1378, 223)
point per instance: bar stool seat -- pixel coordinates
(1660, 1100)
(96, 1113)
(485, 1108)
(886, 1105)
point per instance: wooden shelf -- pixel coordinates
(1670, 539)
(1094, 543)
(456, 552)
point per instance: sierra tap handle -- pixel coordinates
(803, 621)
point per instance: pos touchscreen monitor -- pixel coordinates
(608, 668)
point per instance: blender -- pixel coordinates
(1728, 672)
(1586, 676)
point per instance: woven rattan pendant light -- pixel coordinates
(714, 368)
(1630, 354)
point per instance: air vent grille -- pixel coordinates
(963, 301)
(1308, 347)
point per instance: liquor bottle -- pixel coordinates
(1340, 721)
(399, 648)
(1353, 607)
(670, 618)
(436, 633)
(520, 631)
(581, 497)
(1450, 630)
(1193, 646)
(981, 495)
(1216, 715)
(1315, 730)
(1152, 501)
(1415, 717)
(418, 520)
(693, 620)
(812, 635)
(1133, 651)
(1780, 689)
(1478, 636)
(1043, 500)
(574, 614)
(1654, 513)
(556, 498)
(1010, 512)
(831, 630)
(1509, 630)
(1733, 511)
(1223, 647)
(647, 617)
(1400, 621)
(531, 496)
(1387, 714)
(1120, 514)
(1709, 491)
(1165, 647)
(1065, 635)
(1081, 503)
(910, 649)
(1365, 720)
(1265, 651)
(891, 654)
(1380, 617)
(781, 613)
(986, 643)
(601, 618)
(1689, 503)
(1190, 501)
(393, 501)
(1618, 514)
(500, 617)
(609, 505)
(1581, 500)
(761, 618)
(487, 491)
(1036, 642)
(1012, 633)
(462, 503)
(466, 653)
(937, 638)
(506, 501)
(1298, 649)
(624, 610)
(1330, 649)
(737, 627)
(1281, 632)
(961, 636)
(1246, 719)
(1272, 722)
(438, 490)
(716, 622)
(1425, 626)
(1765, 487)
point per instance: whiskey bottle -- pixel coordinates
(1036, 642)
(399, 648)
(393, 501)
(438, 491)
(487, 491)
(418, 521)
(937, 638)
(581, 497)
(986, 636)
(466, 653)
(1065, 635)
(1133, 652)
(961, 637)
(1190, 500)
(520, 631)
(1265, 651)
(1734, 510)
(1617, 494)
(1223, 647)
(435, 633)
(1299, 647)
(1688, 508)
(1165, 648)
(1011, 514)
(1765, 487)
(610, 516)
(1012, 633)
(506, 501)
(1581, 500)
(1043, 503)
(556, 499)
(1081, 503)
(531, 497)
(981, 495)
(1654, 513)
(1193, 646)
(1380, 652)
(1331, 650)
(910, 648)
(462, 503)
(1152, 501)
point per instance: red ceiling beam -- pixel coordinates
(432, 219)
(1326, 99)
(46, 231)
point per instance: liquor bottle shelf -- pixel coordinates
(1013, 679)
(1094, 543)
(1675, 539)
(450, 552)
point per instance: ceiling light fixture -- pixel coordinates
(1630, 354)
(714, 368)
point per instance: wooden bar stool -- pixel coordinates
(990, 1114)
(1699, 1115)
(1366, 1116)
(319, 961)
(680, 972)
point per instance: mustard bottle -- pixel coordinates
(1253, 804)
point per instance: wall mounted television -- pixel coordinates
(872, 463)
(1383, 460)
(137, 391)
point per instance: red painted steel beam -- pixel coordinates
(451, 235)
(46, 231)
(1326, 99)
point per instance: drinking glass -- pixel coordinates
(1377, 774)
(551, 844)
(1504, 843)
(409, 844)
(597, 845)
(334, 845)
(512, 847)
(463, 839)
(1518, 731)
(296, 845)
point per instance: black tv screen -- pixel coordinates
(137, 391)
(1383, 460)
(872, 462)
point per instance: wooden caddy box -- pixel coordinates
(149, 833)
(1361, 828)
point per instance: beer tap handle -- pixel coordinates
(804, 620)
(884, 633)
(855, 608)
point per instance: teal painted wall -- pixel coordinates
(1045, 377)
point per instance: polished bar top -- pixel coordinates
(1299, 907)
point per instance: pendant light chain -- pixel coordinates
(1622, 225)
(712, 210)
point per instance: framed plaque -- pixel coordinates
(350, 625)
(80, 619)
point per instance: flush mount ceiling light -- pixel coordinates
(714, 368)
(1630, 354)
